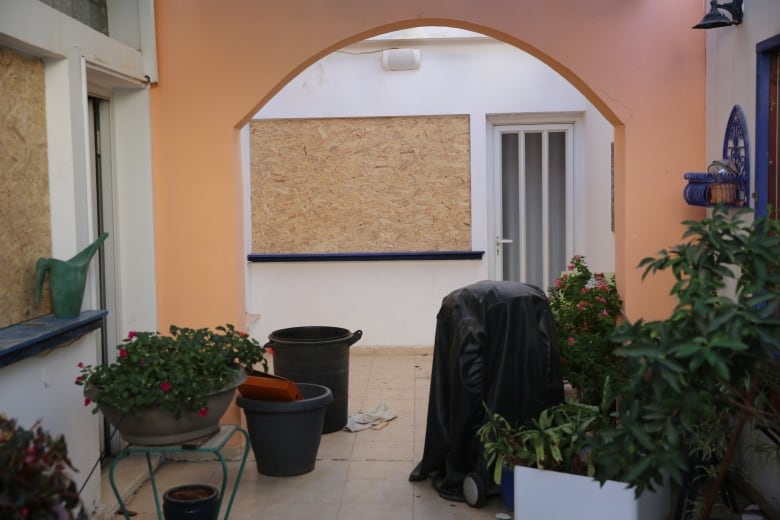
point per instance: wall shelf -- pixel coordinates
(727, 180)
(365, 257)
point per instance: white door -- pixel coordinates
(534, 217)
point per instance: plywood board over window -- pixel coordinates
(25, 225)
(383, 184)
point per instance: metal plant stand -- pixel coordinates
(213, 445)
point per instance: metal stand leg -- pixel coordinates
(238, 475)
(118, 495)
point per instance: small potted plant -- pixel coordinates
(559, 440)
(554, 465)
(180, 383)
(35, 482)
(585, 307)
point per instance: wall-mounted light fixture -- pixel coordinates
(717, 19)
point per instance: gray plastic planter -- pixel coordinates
(285, 435)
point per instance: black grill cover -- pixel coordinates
(493, 344)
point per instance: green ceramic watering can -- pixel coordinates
(67, 279)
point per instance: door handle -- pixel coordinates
(500, 242)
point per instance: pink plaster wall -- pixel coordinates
(638, 61)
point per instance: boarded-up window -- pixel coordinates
(25, 224)
(361, 185)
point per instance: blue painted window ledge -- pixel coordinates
(37, 335)
(366, 257)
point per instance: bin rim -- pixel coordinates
(330, 335)
(315, 396)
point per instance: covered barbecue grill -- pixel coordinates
(493, 345)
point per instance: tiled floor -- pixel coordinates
(358, 476)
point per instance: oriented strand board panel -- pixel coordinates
(25, 226)
(383, 184)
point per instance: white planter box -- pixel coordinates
(561, 496)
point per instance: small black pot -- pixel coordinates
(191, 502)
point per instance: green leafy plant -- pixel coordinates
(559, 439)
(175, 371)
(585, 307)
(709, 362)
(35, 482)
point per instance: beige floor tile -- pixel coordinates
(336, 446)
(383, 450)
(295, 511)
(363, 511)
(394, 493)
(428, 504)
(379, 470)
(324, 485)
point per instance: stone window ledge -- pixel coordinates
(38, 335)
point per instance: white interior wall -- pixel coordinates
(395, 303)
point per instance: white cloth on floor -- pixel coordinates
(374, 418)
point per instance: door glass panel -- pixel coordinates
(534, 225)
(510, 189)
(557, 204)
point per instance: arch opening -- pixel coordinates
(349, 92)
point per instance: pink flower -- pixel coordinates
(600, 276)
(131, 334)
(581, 305)
(80, 365)
(78, 379)
(585, 290)
(87, 401)
(165, 386)
(570, 341)
(243, 334)
(600, 299)
(570, 267)
(123, 352)
(558, 283)
(204, 411)
(605, 313)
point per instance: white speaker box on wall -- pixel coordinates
(401, 59)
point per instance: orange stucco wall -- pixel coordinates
(639, 62)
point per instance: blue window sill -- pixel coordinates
(366, 257)
(37, 335)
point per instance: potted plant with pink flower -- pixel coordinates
(586, 307)
(36, 480)
(181, 382)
